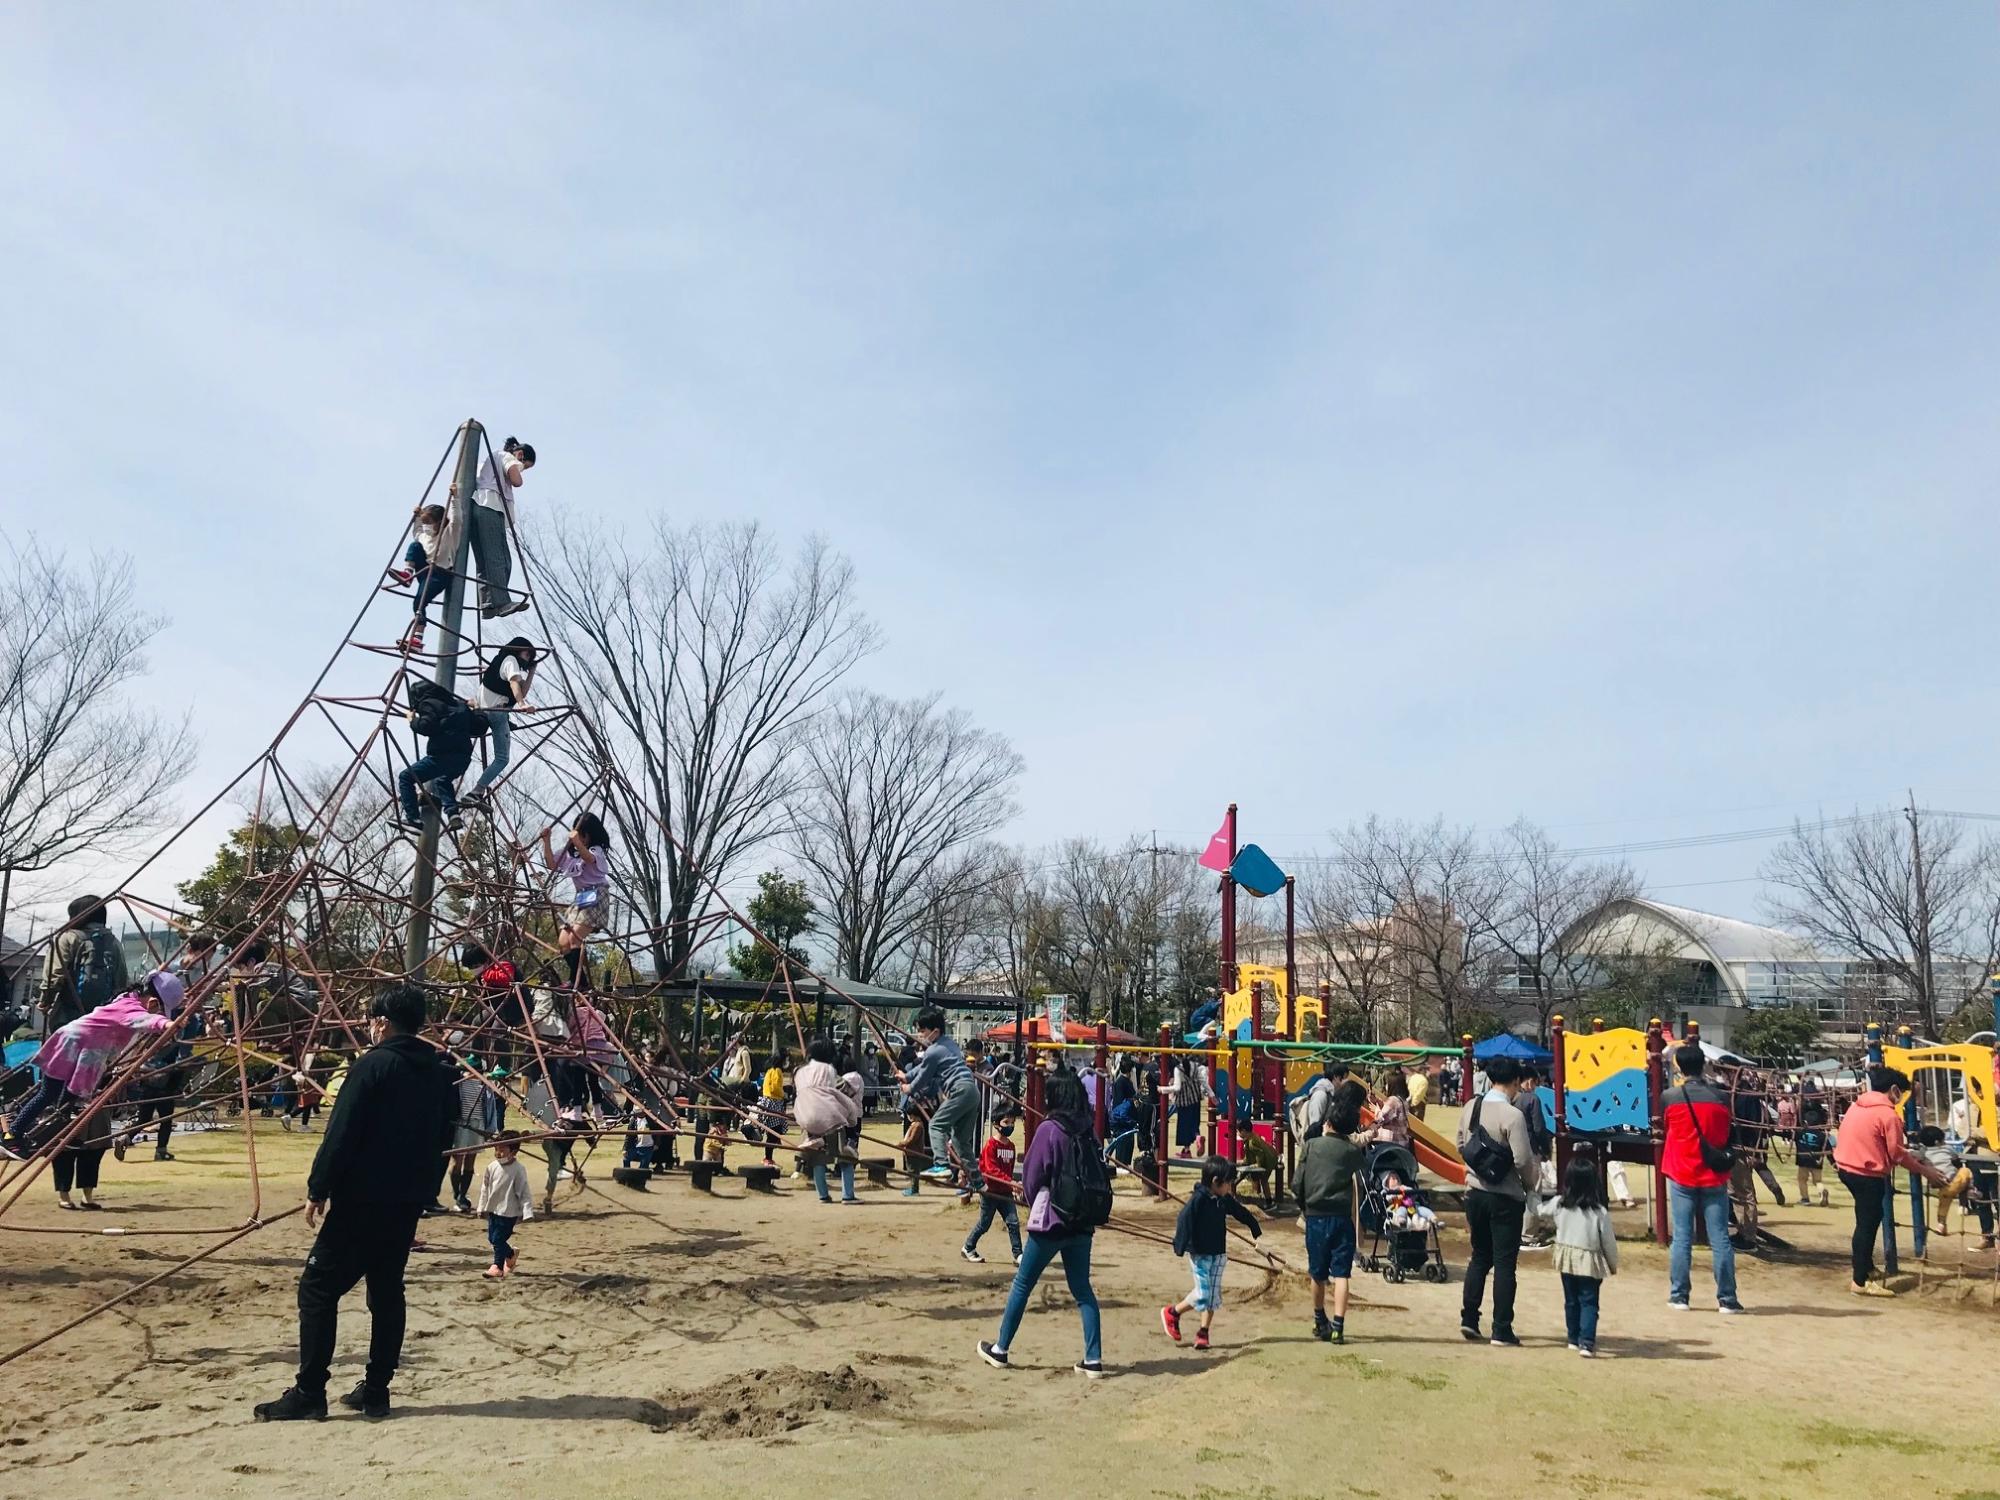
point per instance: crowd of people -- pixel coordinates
(417, 1112)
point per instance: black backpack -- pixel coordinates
(1485, 1158)
(430, 705)
(1080, 1193)
(1718, 1159)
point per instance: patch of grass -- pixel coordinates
(1803, 1466)
(1213, 1455)
(1366, 1369)
(1838, 1435)
(1428, 1382)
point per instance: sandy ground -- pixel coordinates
(768, 1345)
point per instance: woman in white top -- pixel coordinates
(489, 516)
(503, 692)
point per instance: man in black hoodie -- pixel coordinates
(377, 1166)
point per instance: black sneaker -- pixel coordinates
(294, 1406)
(372, 1401)
(994, 1357)
(1504, 1340)
(1339, 1335)
(1732, 1307)
(1469, 1332)
(1323, 1331)
(165, 1156)
(1090, 1369)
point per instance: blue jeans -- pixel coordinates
(1041, 1250)
(1580, 1309)
(1712, 1203)
(438, 775)
(499, 1234)
(846, 1180)
(428, 580)
(496, 762)
(1006, 1212)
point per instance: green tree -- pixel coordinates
(252, 860)
(783, 912)
(1479, 1024)
(1782, 1031)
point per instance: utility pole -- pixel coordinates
(423, 888)
(1153, 923)
(1927, 995)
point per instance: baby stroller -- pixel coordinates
(1395, 1213)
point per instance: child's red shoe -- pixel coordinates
(1201, 1339)
(1171, 1321)
(402, 575)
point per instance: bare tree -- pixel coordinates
(1533, 908)
(1912, 895)
(942, 951)
(1437, 884)
(1348, 906)
(889, 792)
(699, 660)
(81, 770)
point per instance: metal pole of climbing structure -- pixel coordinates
(423, 887)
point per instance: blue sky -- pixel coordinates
(1578, 413)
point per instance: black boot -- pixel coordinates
(372, 1401)
(294, 1406)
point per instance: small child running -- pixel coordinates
(1586, 1250)
(996, 1168)
(1202, 1235)
(506, 1199)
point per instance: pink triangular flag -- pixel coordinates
(1216, 855)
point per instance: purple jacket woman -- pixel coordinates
(1067, 1128)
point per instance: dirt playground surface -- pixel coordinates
(769, 1345)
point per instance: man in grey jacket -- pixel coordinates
(1494, 1209)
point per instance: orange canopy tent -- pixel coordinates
(1037, 1030)
(1395, 1052)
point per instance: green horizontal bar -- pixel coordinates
(1350, 1049)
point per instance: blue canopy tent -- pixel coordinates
(1509, 1045)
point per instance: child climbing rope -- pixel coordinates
(586, 860)
(427, 564)
(74, 1060)
(503, 692)
(492, 513)
(449, 728)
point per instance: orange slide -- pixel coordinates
(1434, 1152)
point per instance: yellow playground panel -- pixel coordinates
(1305, 1024)
(1974, 1064)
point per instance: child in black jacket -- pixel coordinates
(449, 728)
(1202, 1235)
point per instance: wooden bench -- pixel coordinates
(878, 1169)
(759, 1179)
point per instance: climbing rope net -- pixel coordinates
(281, 969)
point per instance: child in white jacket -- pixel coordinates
(1586, 1250)
(506, 1199)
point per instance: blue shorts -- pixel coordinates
(1329, 1246)
(1208, 1269)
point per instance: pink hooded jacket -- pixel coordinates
(78, 1053)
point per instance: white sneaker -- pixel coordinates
(972, 1255)
(1090, 1371)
